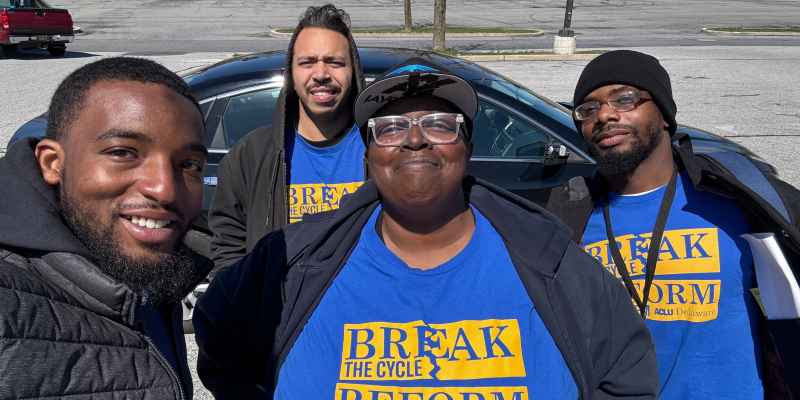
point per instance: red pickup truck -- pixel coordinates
(34, 24)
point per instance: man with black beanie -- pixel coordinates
(693, 288)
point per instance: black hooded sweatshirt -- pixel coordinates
(66, 328)
(251, 198)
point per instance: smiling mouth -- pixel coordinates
(148, 223)
(150, 231)
(419, 163)
(324, 94)
(611, 138)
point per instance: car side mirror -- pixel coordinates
(532, 150)
(556, 154)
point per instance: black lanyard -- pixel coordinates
(652, 251)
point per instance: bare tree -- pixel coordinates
(407, 12)
(439, 24)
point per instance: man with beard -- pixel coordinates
(426, 284)
(310, 157)
(92, 265)
(669, 223)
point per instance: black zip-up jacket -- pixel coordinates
(252, 313)
(574, 202)
(251, 197)
(67, 330)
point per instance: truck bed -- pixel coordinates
(33, 20)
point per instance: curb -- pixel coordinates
(713, 31)
(529, 57)
(498, 57)
(534, 32)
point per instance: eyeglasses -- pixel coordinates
(393, 130)
(622, 102)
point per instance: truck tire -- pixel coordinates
(57, 51)
(9, 50)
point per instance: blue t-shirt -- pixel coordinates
(321, 175)
(700, 311)
(466, 329)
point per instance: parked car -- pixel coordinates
(523, 142)
(34, 24)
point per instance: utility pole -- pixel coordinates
(564, 42)
(439, 24)
(566, 30)
(407, 11)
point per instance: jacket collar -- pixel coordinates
(526, 228)
(684, 156)
(30, 220)
(86, 284)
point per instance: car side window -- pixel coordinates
(248, 111)
(498, 133)
(204, 107)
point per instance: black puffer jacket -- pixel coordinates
(66, 329)
(251, 198)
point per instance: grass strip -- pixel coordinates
(757, 29)
(424, 29)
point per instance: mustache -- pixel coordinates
(601, 132)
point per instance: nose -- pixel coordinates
(320, 72)
(607, 113)
(159, 181)
(415, 139)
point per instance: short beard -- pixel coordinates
(333, 116)
(160, 281)
(614, 163)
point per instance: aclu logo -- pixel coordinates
(682, 300)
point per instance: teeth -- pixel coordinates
(149, 223)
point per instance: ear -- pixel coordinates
(50, 157)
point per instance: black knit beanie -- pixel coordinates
(631, 68)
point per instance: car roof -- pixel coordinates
(251, 69)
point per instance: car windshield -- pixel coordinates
(518, 92)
